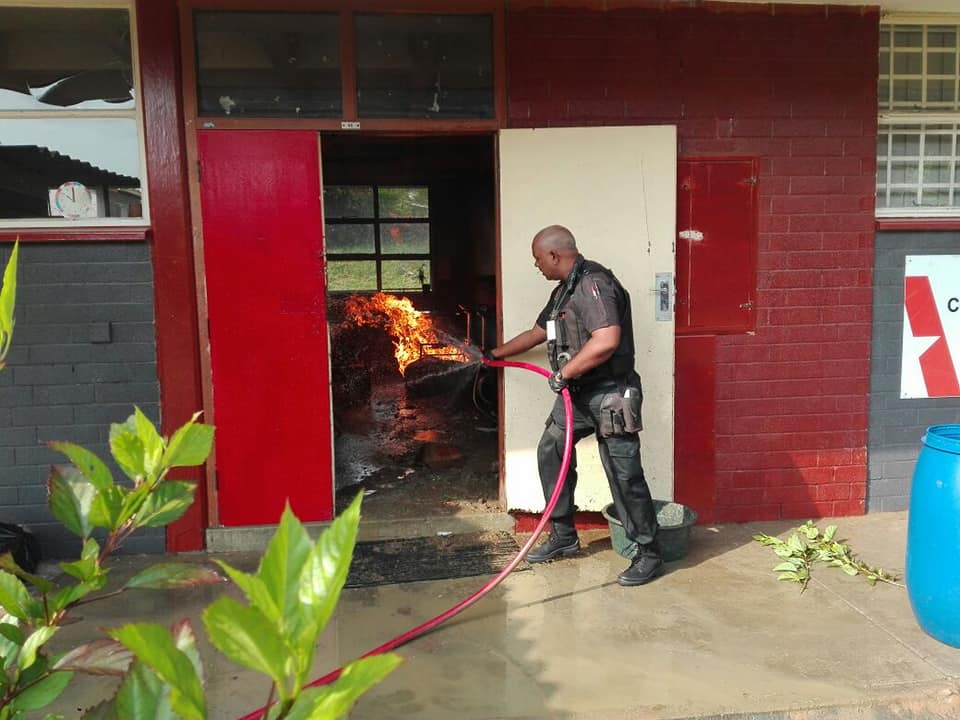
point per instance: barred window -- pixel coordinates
(377, 238)
(918, 149)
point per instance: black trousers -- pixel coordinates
(620, 456)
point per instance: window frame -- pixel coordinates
(350, 120)
(917, 118)
(126, 227)
(378, 256)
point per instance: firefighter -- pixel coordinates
(589, 334)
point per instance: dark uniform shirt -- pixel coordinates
(590, 298)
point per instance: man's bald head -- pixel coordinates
(556, 238)
(554, 252)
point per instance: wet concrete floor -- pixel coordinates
(716, 636)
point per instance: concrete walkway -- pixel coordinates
(717, 636)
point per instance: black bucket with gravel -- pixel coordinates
(675, 522)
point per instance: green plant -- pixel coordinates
(8, 296)
(291, 597)
(808, 545)
(85, 497)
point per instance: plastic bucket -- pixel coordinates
(673, 537)
(933, 535)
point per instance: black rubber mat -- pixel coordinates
(388, 562)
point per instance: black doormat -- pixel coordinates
(387, 562)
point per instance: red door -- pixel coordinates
(263, 251)
(716, 245)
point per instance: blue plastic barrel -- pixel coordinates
(933, 535)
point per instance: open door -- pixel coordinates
(615, 188)
(263, 251)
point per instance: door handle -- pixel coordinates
(746, 306)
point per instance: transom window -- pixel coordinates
(377, 238)
(918, 151)
(70, 142)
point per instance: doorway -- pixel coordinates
(410, 253)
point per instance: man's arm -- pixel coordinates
(521, 343)
(598, 349)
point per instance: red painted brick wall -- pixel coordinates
(794, 86)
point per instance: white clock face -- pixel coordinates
(73, 200)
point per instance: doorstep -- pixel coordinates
(254, 538)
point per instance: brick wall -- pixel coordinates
(794, 86)
(896, 425)
(83, 355)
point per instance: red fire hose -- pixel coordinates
(493, 582)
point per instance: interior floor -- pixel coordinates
(415, 455)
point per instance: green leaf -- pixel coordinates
(65, 597)
(829, 533)
(127, 449)
(71, 496)
(36, 640)
(336, 699)
(324, 576)
(190, 445)
(143, 695)
(10, 565)
(100, 657)
(167, 576)
(8, 299)
(153, 645)
(107, 710)
(787, 566)
(107, 508)
(255, 591)
(168, 501)
(151, 441)
(14, 597)
(792, 576)
(43, 693)
(245, 636)
(87, 567)
(87, 463)
(186, 641)
(283, 563)
(11, 639)
(849, 570)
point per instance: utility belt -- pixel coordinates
(621, 402)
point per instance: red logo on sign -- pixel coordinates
(935, 363)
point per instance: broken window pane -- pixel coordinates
(424, 66)
(65, 58)
(268, 64)
(73, 168)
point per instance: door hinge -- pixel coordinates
(752, 180)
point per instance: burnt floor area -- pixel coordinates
(420, 446)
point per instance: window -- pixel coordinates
(268, 64)
(377, 238)
(70, 143)
(394, 66)
(424, 66)
(918, 149)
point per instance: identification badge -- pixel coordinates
(551, 330)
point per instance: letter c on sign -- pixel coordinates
(953, 304)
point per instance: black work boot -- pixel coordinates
(558, 545)
(642, 570)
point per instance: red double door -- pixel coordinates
(260, 194)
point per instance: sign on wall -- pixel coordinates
(931, 327)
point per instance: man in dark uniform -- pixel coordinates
(589, 334)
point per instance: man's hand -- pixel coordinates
(557, 382)
(489, 357)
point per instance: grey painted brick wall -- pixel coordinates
(896, 425)
(84, 353)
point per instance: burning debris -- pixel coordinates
(413, 332)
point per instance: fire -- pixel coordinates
(412, 331)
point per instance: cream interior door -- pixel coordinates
(615, 188)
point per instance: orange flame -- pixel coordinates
(412, 331)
